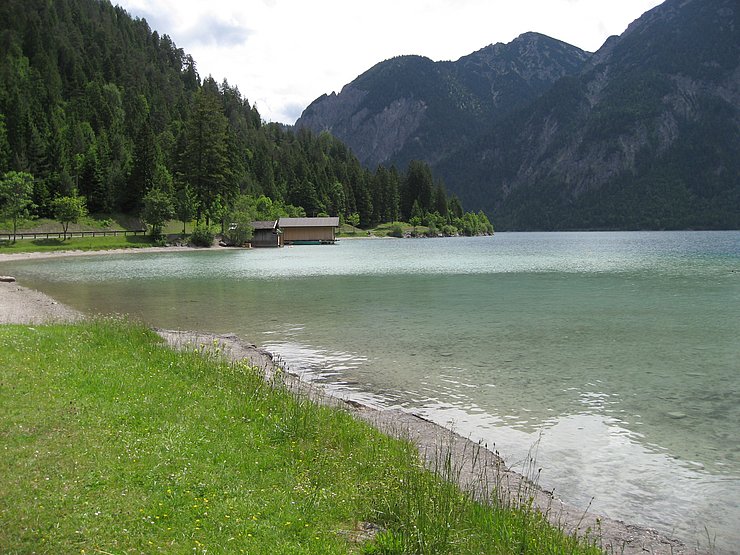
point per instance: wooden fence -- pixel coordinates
(58, 234)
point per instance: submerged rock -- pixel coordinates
(677, 415)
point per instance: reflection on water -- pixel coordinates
(615, 353)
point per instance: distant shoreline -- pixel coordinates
(21, 305)
(7, 257)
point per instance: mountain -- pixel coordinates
(644, 134)
(647, 136)
(410, 107)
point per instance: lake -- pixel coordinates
(613, 356)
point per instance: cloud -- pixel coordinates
(213, 31)
(290, 111)
(283, 54)
(159, 20)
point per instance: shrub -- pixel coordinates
(432, 230)
(202, 236)
(396, 231)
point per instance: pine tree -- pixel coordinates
(4, 146)
(204, 160)
(144, 164)
(417, 186)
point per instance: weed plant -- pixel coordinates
(114, 443)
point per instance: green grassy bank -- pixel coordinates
(101, 223)
(76, 244)
(113, 443)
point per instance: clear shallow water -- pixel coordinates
(617, 352)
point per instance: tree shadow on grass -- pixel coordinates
(144, 240)
(48, 242)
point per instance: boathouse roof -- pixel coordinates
(309, 222)
(265, 224)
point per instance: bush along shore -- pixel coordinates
(122, 233)
(114, 442)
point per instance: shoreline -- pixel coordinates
(477, 469)
(9, 257)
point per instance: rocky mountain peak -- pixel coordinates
(394, 111)
(644, 133)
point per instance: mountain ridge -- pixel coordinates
(645, 137)
(391, 112)
(641, 134)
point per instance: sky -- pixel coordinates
(283, 54)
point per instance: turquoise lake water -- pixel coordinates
(616, 354)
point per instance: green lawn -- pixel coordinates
(91, 222)
(75, 243)
(382, 230)
(113, 443)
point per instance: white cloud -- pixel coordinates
(282, 54)
(217, 32)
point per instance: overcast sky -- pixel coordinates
(283, 54)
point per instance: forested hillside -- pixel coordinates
(643, 134)
(647, 136)
(94, 101)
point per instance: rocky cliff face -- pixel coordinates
(410, 107)
(645, 137)
(375, 136)
(645, 133)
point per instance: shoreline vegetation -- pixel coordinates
(173, 237)
(116, 430)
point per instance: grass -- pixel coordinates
(382, 230)
(75, 243)
(347, 230)
(92, 222)
(97, 222)
(113, 443)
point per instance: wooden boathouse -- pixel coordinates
(266, 234)
(309, 231)
(295, 231)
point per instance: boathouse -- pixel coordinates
(266, 234)
(308, 231)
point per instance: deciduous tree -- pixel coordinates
(240, 219)
(69, 210)
(16, 189)
(186, 204)
(158, 208)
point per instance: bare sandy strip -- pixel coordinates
(19, 305)
(477, 469)
(60, 254)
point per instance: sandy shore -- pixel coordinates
(111, 252)
(479, 471)
(19, 305)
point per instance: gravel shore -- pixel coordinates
(478, 469)
(65, 254)
(19, 305)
